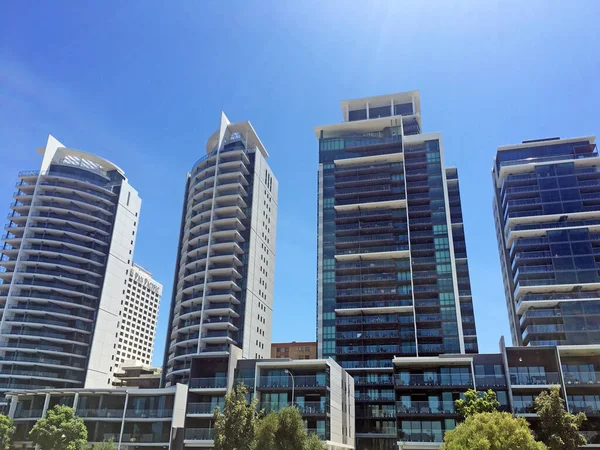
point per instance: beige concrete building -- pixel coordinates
(294, 350)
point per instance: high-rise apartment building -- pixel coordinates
(223, 287)
(139, 314)
(546, 209)
(64, 267)
(393, 278)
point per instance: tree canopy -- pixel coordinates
(476, 402)
(236, 426)
(557, 428)
(7, 429)
(491, 431)
(285, 430)
(59, 430)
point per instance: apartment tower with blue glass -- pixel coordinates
(393, 277)
(547, 215)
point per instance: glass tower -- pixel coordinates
(223, 286)
(64, 266)
(393, 278)
(546, 209)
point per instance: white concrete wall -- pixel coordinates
(261, 263)
(104, 342)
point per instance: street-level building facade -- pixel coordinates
(393, 276)
(64, 266)
(181, 417)
(140, 419)
(547, 217)
(224, 274)
(427, 388)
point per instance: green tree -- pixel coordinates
(236, 426)
(59, 430)
(557, 428)
(7, 429)
(291, 433)
(476, 402)
(265, 432)
(314, 443)
(491, 431)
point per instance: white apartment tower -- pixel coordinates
(64, 266)
(223, 287)
(139, 313)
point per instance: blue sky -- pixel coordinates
(143, 83)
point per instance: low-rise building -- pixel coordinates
(135, 374)
(416, 401)
(140, 419)
(294, 350)
(179, 417)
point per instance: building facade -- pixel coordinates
(64, 267)
(426, 388)
(181, 417)
(139, 315)
(547, 216)
(321, 389)
(294, 350)
(393, 278)
(223, 286)
(140, 419)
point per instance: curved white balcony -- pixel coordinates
(46, 205)
(43, 336)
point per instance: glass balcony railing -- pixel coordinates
(425, 436)
(425, 407)
(202, 408)
(149, 413)
(28, 414)
(305, 408)
(575, 378)
(371, 363)
(373, 380)
(490, 380)
(199, 434)
(523, 407)
(101, 412)
(548, 159)
(208, 383)
(374, 304)
(458, 379)
(534, 379)
(368, 349)
(319, 380)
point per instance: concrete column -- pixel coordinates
(367, 110)
(123, 419)
(392, 108)
(13, 408)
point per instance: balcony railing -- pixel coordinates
(435, 380)
(208, 383)
(319, 380)
(424, 407)
(426, 436)
(585, 378)
(199, 434)
(534, 379)
(305, 408)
